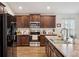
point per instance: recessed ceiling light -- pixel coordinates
(48, 7)
(20, 7)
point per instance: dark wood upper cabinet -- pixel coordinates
(47, 21)
(10, 19)
(26, 21)
(18, 21)
(35, 17)
(22, 21)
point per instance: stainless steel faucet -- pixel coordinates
(65, 30)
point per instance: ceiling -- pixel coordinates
(41, 7)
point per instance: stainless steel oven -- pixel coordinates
(34, 33)
(34, 24)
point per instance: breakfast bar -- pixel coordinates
(62, 49)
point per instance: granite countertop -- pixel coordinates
(67, 49)
(49, 34)
(22, 34)
(40, 34)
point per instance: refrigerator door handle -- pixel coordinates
(14, 37)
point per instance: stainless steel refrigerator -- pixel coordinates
(11, 38)
(3, 32)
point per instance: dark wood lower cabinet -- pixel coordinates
(42, 40)
(47, 48)
(23, 40)
(52, 51)
(57, 53)
(52, 54)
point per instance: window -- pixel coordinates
(70, 25)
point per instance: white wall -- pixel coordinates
(77, 26)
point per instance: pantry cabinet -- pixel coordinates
(47, 21)
(22, 21)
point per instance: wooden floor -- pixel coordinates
(31, 52)
(28, 51)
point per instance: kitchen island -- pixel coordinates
(58, 48)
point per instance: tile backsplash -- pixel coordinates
(46, 30)
(22, 31)
(26, 31)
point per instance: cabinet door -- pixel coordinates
(22, 21)
(25, 40)
(22, 40)
(42, 40)
(9, 20)
(25, 21)
(19, 21)
(52, 51)
(18, 41)
(47, 21)
(47, 48)
(35, 17)
(58, 54)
